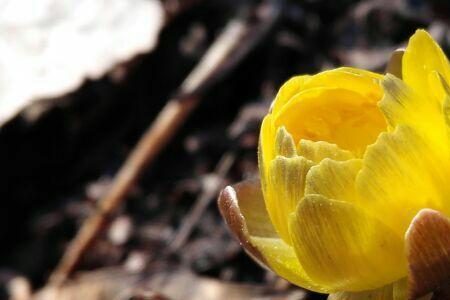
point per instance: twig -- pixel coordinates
(213, 182)
(211, 185)
(231, 46)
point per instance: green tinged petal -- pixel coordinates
(242, 207)
(284, 144)
(285, 190)
(317, 151)
(383, 293)
(334, 179)
(392, 291)
(342, 247)
(282, 259)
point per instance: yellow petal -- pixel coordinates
(392, 291)
(403, 173)
(441, 87)
(317, 151)
(361, 72)
(285, 188)
(360, 81)
(334, 179)
(288, 90)
(446, 106)
(400, 289)
(341, 246)
(383, 293)
(421, 57)
(335, 115)
(403, 106)
(282, 259)
(266, 148)
(242, 207)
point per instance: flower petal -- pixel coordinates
(403, 173)
(403, 106)
(341, 246)
(393, 291)
(363, 82)
(282, 259)
(360, 81)
(266, 147)
(428, 252)
(288, 90)
(285, 188)
(317, 151)
(242, 207)
(383, 293)
(422, 56)
(334, 179)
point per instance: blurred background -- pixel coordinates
(81, 81)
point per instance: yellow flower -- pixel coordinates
(353, 167)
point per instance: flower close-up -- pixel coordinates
(353, 195)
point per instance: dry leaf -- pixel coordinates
(169, 283)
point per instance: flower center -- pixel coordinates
(338, 116)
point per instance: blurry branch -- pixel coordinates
(236, 40)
